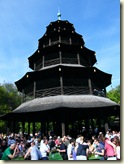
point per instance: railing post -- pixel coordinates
(59, 39)
(34, 66)
(61, 82)
(60, 56)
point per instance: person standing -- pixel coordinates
(51, 142)
(10, 152)
(82, 147)
(110, 148)
(33, 151)
(91, 148)
(63, 149)
(99, 150)
(45, 150)
(118, 149)
(70, 149)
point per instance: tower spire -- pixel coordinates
(59, 14)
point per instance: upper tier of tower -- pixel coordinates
(61, 44)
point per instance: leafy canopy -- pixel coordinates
(114, 94)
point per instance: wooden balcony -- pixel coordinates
(67, 90)
(57, 61)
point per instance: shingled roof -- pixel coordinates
(72, 101)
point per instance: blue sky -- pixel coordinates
(23, 22)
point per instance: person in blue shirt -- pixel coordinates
(99, 150)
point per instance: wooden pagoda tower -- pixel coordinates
(63, 87)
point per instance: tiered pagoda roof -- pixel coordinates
(63, 79)
(62, 53)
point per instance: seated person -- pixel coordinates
(10, 152)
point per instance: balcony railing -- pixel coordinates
(67, 90)
(57, 61)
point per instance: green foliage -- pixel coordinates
(114, 94)
(10, 99)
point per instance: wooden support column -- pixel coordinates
(78, 58)
(99, 124)
(43, 61)
(23, 127)
(73, 129)
(58, 128)
(34, 93)
(63, 129)
(54, 126)
(92, 124)
(43, 128)
(90, 86)
(34, 66)
(49, 42)
(29, 128)
(47, 126)
(106, 127)
(8, 128)
(66, 128)
(33, 128)
(14, 123)
(70, 40)
(87, 125)
(105, 91)
(79, 126)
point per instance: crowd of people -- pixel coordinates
(102, 147)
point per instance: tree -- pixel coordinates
(114, 94)
(10, 99)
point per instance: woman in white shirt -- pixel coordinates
(70, 149)
(45, 149)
